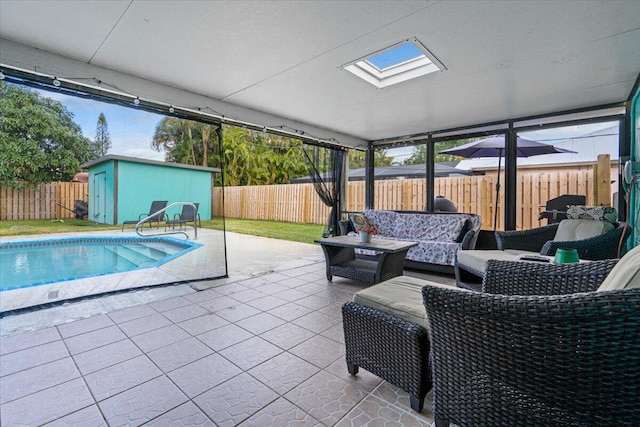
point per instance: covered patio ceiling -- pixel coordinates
(280, 63)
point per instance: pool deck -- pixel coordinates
(263, 347)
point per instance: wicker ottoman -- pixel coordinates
(385, 332)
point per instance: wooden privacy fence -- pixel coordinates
(472, 194)
(45, 201)
(299, 202)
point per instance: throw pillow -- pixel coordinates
(358, 220)
(597, 213)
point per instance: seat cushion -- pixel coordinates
(477, 259)
(625, 274)
(570, 230)
(400, 296)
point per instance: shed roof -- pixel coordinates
(110, 157)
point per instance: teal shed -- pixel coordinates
(121, 188)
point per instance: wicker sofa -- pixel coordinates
(439, 235)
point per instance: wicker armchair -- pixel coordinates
(503, 359)
(540, 240)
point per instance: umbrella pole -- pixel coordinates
(495, 209)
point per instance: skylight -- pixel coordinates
(398, 63)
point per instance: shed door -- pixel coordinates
(100, 198)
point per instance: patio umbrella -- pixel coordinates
(495, 147)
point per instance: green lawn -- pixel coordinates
(305, 233)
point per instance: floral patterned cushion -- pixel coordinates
(598, 213)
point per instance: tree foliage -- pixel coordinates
(39, 142)
(357, 159)
(418, 157)
(249, 157)
(102, 141)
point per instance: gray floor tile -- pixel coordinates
(251, 352)
(136, 406)
(292, 295)
(319, 350)
(202, 324)
(224, 337)
(38, 378)
(28, 340)
(260, 323)
(186, 312)
(158, 338)
(267, 302)
(85, 325)
(281, 413)
(335, 333)
(317, 321)
(144, 324)
(204, 374)
(33, 356)
(87, 417)
(109, 355)
(284, 372)
(313, 302)
(237, 312)
(202, 295)
(326, 397)
(373, 412)
(248, 295)
(235, 400)
(170, 303)
(131, 313)
(287, 335)
(47, 405)
(218, 303)
(90, 340)
(179, 354)
(186, 415)
(123, 376)
(290, 311)
(270, 288)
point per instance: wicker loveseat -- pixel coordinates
(530, 351)
(593, 231)
(439, 235)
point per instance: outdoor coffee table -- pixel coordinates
(341, 258)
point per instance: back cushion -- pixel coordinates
(626, 273)
(580, 229)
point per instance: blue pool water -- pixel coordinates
(39, 262)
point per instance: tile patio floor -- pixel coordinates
(262, 351)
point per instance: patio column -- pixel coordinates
(369, 191)
(430, 162)
(510, 178)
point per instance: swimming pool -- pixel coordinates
(38, 262)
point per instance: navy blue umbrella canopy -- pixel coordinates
(495, 147)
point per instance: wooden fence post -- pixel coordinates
(602, 187)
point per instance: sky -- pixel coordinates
(131, 129)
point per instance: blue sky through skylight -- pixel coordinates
(397, 55)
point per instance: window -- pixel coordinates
(395, 64)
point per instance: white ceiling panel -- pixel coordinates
(504, 59)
